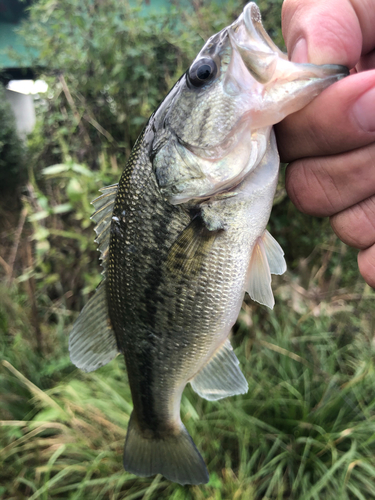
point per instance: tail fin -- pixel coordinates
(174, 456)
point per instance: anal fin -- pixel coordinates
(221, 376)
(92, 341)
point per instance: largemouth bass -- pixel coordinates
(183, 237)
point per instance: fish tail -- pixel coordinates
(174, 456)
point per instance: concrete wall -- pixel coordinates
(24, 112)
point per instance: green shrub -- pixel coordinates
(108, 66)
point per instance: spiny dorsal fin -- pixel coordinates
(92, 342)
(192, 246)
(103, 216)
(267, 258)
(221, 376)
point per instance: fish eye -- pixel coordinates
(202, 72)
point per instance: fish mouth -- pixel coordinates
(265, 61)
(258, 67)
(249, 39)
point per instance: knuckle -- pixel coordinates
(309, 189)
(355, 226)
(366, 264)
(295, 183)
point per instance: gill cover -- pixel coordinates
(216, 131)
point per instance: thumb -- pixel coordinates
(327, 31)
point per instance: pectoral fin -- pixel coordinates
(267, 258)
(192, 246)
(221, 376)
(92, 341)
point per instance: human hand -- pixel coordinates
(331, 142)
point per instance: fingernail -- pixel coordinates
(299, 53)
(363, 111)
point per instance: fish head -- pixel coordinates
(213, 128)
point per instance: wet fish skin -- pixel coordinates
(185, 237)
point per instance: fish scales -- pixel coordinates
(169, 314)
(183, 237)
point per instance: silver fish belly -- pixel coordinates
(183, 237)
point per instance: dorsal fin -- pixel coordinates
(92, 341)
(102, 216)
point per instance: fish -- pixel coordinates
(183, 236)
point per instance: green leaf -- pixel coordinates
(38, 216)
(80, 169)
(62, 208)
(59, 168)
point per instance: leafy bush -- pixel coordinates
(112, 66)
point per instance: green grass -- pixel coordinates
(305, 430)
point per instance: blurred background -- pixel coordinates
(78, 81)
